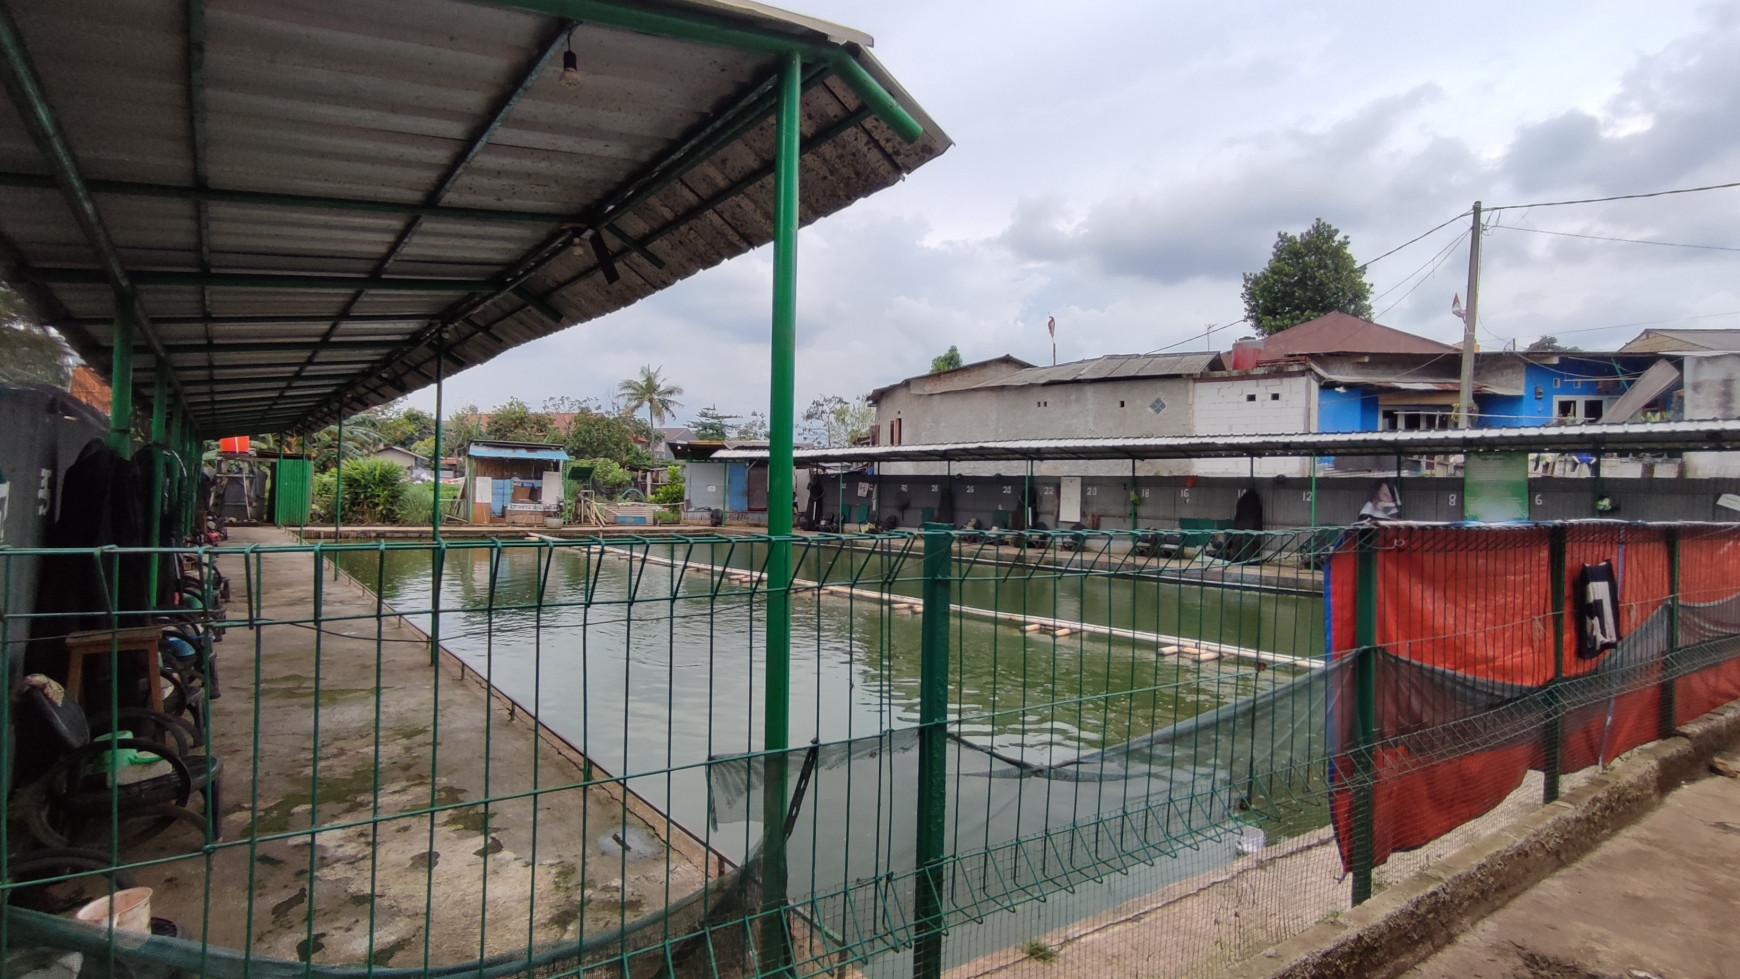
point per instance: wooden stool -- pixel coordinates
(139, 642)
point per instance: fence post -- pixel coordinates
(1554, 733)
(1670, 655)
(1365, 683)
(933, 706)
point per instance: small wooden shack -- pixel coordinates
(513, 482)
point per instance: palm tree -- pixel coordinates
(650, 391)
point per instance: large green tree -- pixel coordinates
(834, 422)
(711, 426)
(512, 421)
(406, 426)
(946, 361)
(650, 391)
(1308, 275)
(598, 436)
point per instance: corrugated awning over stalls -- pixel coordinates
(1636, 436)
(301, 203)
(516, 450)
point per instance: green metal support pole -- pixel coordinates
(435, 463)
(775, 948)
(1555, 728)
(1669, 682)
(121, 383)
(930, 912)
(159, 446)
(1135, 497)
(338, 486)
(1365, 686)
(1026, 508)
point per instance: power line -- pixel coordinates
(1438, 262)
(1410, 241)
(1621, 326)
(1620, 197)
(1200, 336)
(1632, 241)
(1436, 257)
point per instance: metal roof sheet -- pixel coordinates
(1637, 436)
(414, 162)
(1110, 367)
(515, 450)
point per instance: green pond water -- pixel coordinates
(651, 663)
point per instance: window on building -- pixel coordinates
(1576, 411)
(1250, 397)
(895, 431)
(1275, 396)
(1416, 418)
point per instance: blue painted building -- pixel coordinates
(1568, 388)
(1388, 392)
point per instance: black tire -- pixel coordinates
(70, 862)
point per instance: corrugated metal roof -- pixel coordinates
(1651, 436)
(429, 146)
(1341, 333)
(1674, 341)
(516, 450)
(1110, 367)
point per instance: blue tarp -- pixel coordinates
(485, 450)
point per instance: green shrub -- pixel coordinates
(416, 500)
(374, 491)
(672, 489)
(609, 477)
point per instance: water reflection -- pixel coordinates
(650, 663)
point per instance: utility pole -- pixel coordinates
(1465, 394)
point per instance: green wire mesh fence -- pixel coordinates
(546, 757)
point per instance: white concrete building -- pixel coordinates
(1006, 398)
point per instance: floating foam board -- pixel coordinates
(1171, 650)
(1032, 627)
(1061, 632)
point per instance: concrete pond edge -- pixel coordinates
(1408, 922)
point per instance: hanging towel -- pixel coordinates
(1597, 610)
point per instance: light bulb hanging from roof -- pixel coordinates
(570, 63)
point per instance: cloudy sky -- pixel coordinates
(1119, 164)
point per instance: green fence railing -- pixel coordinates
(548, 757)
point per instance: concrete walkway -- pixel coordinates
(1661, 898)
(358, 824)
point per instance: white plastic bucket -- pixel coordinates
(132, 911)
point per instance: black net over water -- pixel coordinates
(1018, 830)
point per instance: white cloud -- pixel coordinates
(1120, 166)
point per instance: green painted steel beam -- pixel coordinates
(540, 304)
(261, 320)
(265, 369)
(748, 112)
(25, 90)
(323, 382)
(267, 280)
(263, 347)
(728, 125)
(254, 198)
(719, 31)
